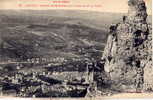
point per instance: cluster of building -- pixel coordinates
(36, 84)
(23, 83)
(34, 60)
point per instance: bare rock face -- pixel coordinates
(128, 51)
(137, 11)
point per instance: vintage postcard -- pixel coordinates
(75, 49)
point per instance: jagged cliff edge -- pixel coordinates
(128, 52)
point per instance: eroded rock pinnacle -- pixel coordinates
(128, 52)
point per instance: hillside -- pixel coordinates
(32, 33)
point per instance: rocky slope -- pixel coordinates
(128, 53)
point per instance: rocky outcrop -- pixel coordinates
(128, 50)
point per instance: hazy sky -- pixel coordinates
(106, 5)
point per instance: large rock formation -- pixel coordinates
(128, 52)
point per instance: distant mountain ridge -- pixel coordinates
(78, 32)
(95, 19)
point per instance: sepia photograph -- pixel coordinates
(88, 52)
